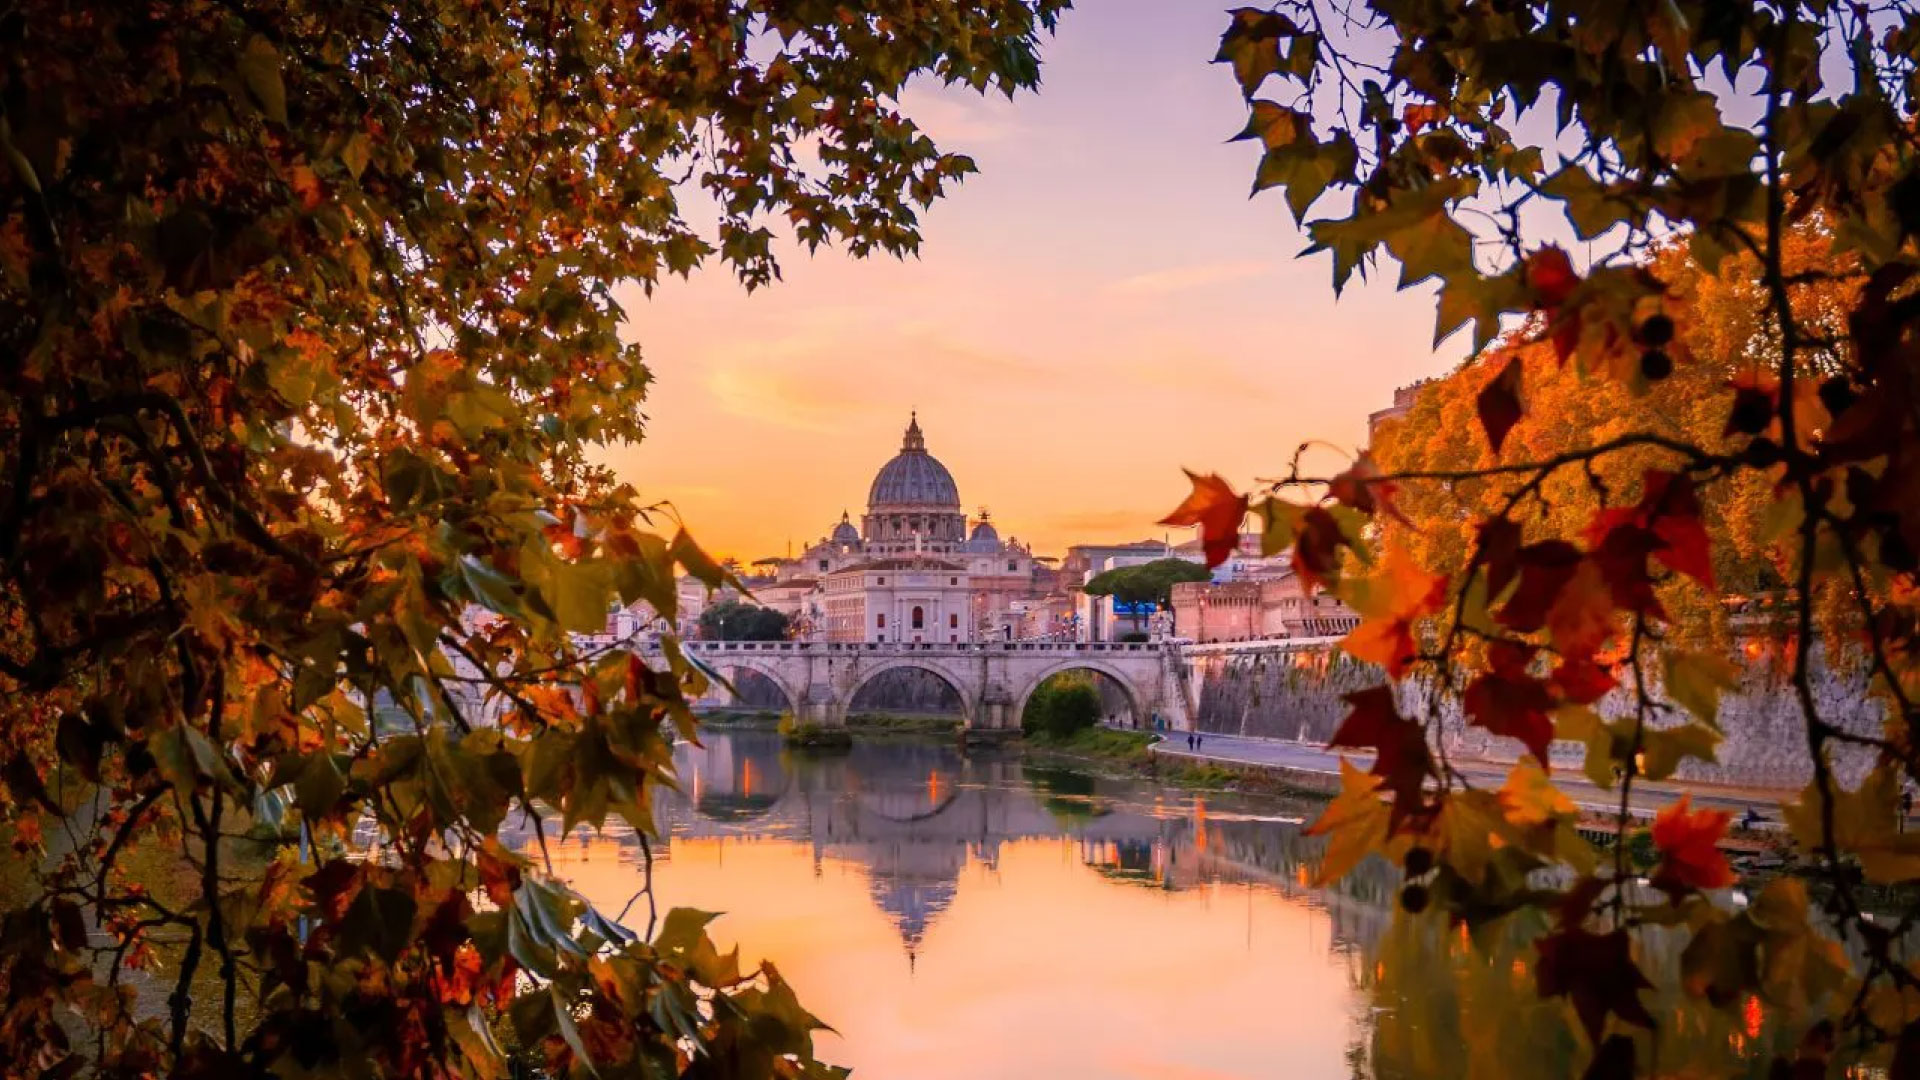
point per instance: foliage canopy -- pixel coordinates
(1061, 706)
(1147, 583)
(736, 620)
(1701, 152)
(312, 321)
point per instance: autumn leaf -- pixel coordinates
(1499, 403)
(1389, 604)
(1550, 277)
(1217, 510)
(1866, 826)
(1361, 487)
(1529, 798)
(1597, 973)
(1513, 708)
(1316, 554)
(1355, 824)
(1401, 758)
(1689, 844)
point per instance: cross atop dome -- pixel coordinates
(914, 440)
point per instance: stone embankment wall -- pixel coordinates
(1294, 693)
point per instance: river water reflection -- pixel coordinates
(982, 916)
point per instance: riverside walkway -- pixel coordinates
(1315, 768)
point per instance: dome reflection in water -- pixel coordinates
(984, 915)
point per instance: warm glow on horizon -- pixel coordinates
(1100, 306)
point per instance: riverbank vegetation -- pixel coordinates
(1710, 400)
(1110, 745)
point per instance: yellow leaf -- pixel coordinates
(1471, 825)
(1865, 825)
(1529, 797)
(1355, 824)
(1695, 680)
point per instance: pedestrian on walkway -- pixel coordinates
(1199, 740)
(1189, 740)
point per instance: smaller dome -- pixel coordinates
(845, 533)
(984, 537)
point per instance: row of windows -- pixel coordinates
(919, 618)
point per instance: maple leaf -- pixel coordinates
(1689, 843)
(1581, 619)
(1355, 823)
(1499, 552)
(1550, 276)
(1515, 707)
(1217, 509)
(1581, 681)
(1401, 758)
(1499, 403)
(1597, 973)
(1389, 604)
(1316, 554)
(1544, 569)
(1362, 488)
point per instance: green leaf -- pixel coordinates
(260, 68)
(563, 1017)
(1696, 680)
(1663, 749)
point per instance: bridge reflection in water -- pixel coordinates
(979, 915)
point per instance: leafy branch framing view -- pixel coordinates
(1688, 145)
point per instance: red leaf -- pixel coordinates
(1499, 403)
(1545, 568)
(1513, 707)
(1581, 681)
(1361, 488)
(1499, 553)
(1689, 843)
(1595, 971)
(1401, 758)
(1217, 509)
(1550, 275)
(1316, 554)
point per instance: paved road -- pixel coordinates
(1648, 796)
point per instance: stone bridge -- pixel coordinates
(993, 679)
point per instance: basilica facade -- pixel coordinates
(914, 570)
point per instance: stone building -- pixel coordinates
(914, 549)
(1257, 609)
(910, 598)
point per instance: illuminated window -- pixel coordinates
(953, 620)
(919, 618)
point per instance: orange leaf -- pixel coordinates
(1389, 604)
(1689, 843)
(1217, 509)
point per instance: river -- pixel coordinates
(979, 915)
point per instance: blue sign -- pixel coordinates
(1143, 607)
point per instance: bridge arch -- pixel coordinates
(767, 667)
(1136, 700)
(958, 683)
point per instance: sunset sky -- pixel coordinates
(1099, 307)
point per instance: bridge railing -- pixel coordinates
(973, 648)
